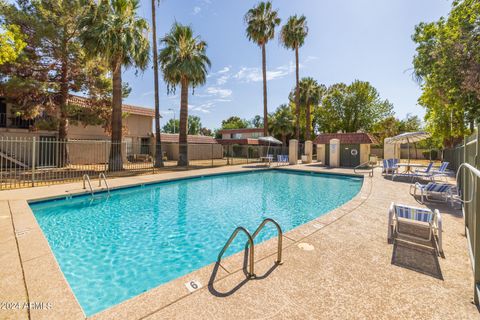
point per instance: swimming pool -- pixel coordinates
(113, 248)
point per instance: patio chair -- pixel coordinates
(420, 217)
(423, 173)
(282, 159)
(390, 166)
(427, 191)
(441, 172)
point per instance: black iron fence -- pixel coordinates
(26, 162)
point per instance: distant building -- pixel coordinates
(245, 136)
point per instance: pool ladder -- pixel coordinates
(101, 176)
(251, 244)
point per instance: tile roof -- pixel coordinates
(345, 138)
(243, 130)
(142, 111)
(173, 138)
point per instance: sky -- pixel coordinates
(369, 40)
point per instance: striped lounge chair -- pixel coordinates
(441, 172)
(432, 220)
(427, 191)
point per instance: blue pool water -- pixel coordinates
(111, 249)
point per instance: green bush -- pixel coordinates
(433, 153)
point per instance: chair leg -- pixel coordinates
(390, 223)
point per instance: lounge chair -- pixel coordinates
(441, 172)
(282, 159)
(423, 173)
(432, 188)
(420, 217)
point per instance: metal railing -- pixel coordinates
(251, 245)
(465, 160)
(279, 237)
(101, 177)
(45, 160)
(86, 179)
(362, 167)
(251, 270)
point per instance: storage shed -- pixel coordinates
(354, 148)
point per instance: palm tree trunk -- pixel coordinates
(265, 109)
(115, 161)
(297, 96)
(158, 138)
(308, 123)
(183, 146)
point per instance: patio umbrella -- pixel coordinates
(270, 140)
(408, 137)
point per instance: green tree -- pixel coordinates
(234, 122)
(105, 21)
(282, 123)
(257, 122)
(194, 125)
(351, 108)
(184, 62)
(158, 139)
(171, 126)
(310, 94)
(12, 42)
(447, 67)
(292, 36)
(261, 22)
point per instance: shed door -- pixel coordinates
(349, 155)
(327, 155)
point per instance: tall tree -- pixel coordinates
(357, 106)
(310, 93)
(292, 36)
(447, 67)
(158, 139)
(261, 22)
(194, 125)
(184, 62)
(114, 32)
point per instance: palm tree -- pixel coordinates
(114, 32)
(310, 93)
(158, 139)
(261, 22)
(184, 62)
(292, 36)
(281, 123)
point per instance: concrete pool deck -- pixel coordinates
(335, 267)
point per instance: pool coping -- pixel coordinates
(48, 284)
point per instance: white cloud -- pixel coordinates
(220, 92)
(223, 79)
(204, 107)
(196, 10)
(247, 74)
(224, 69)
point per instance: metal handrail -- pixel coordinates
(280, 236)
(370, 173)
(100, 177)
(87, 178)
(473, 171)
(251, 272)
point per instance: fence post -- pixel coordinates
(476, 210)
(106, 156)
(34, 160)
